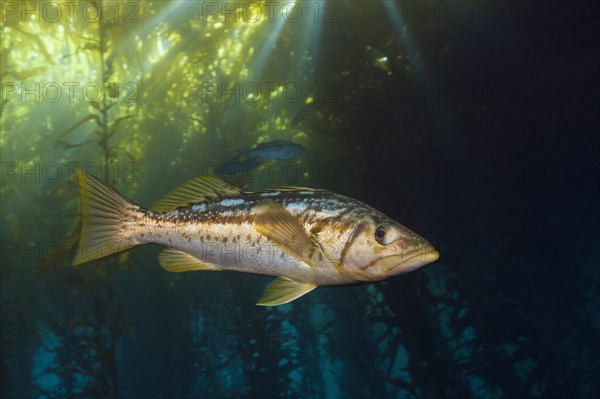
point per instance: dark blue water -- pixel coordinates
(473, 124)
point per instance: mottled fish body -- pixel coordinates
(305, 237)
(222, 232)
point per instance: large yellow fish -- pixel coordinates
(305, 237)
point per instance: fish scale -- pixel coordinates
(222, 228)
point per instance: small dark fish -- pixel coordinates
(237, 165)
(276, 150)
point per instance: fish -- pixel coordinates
(279, 150)
(238, 165)
(305, 237)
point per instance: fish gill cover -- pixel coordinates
(473, 123)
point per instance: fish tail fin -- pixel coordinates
(104, 218)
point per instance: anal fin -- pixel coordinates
(173, 260)
(284, 290)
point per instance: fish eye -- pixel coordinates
(384, 235)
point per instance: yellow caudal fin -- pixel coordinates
(103, 214)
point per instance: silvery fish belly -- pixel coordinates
(304, 237)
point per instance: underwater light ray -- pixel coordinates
(305, 70)
(443, 117)
(263, 56)
(407, 41)
(175, 7)
(146, 28)
(314, 27)
(264, 53)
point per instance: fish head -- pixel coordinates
(380, 247)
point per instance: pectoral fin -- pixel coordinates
(173, 260)
(284, 290)
(280, 226)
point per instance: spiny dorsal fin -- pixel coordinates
(284, 290)
(173, 260)
(280, 226)
(196, 190)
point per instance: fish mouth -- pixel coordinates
(405, 263)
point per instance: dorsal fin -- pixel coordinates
(193, 191)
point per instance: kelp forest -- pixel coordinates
(472, 127)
